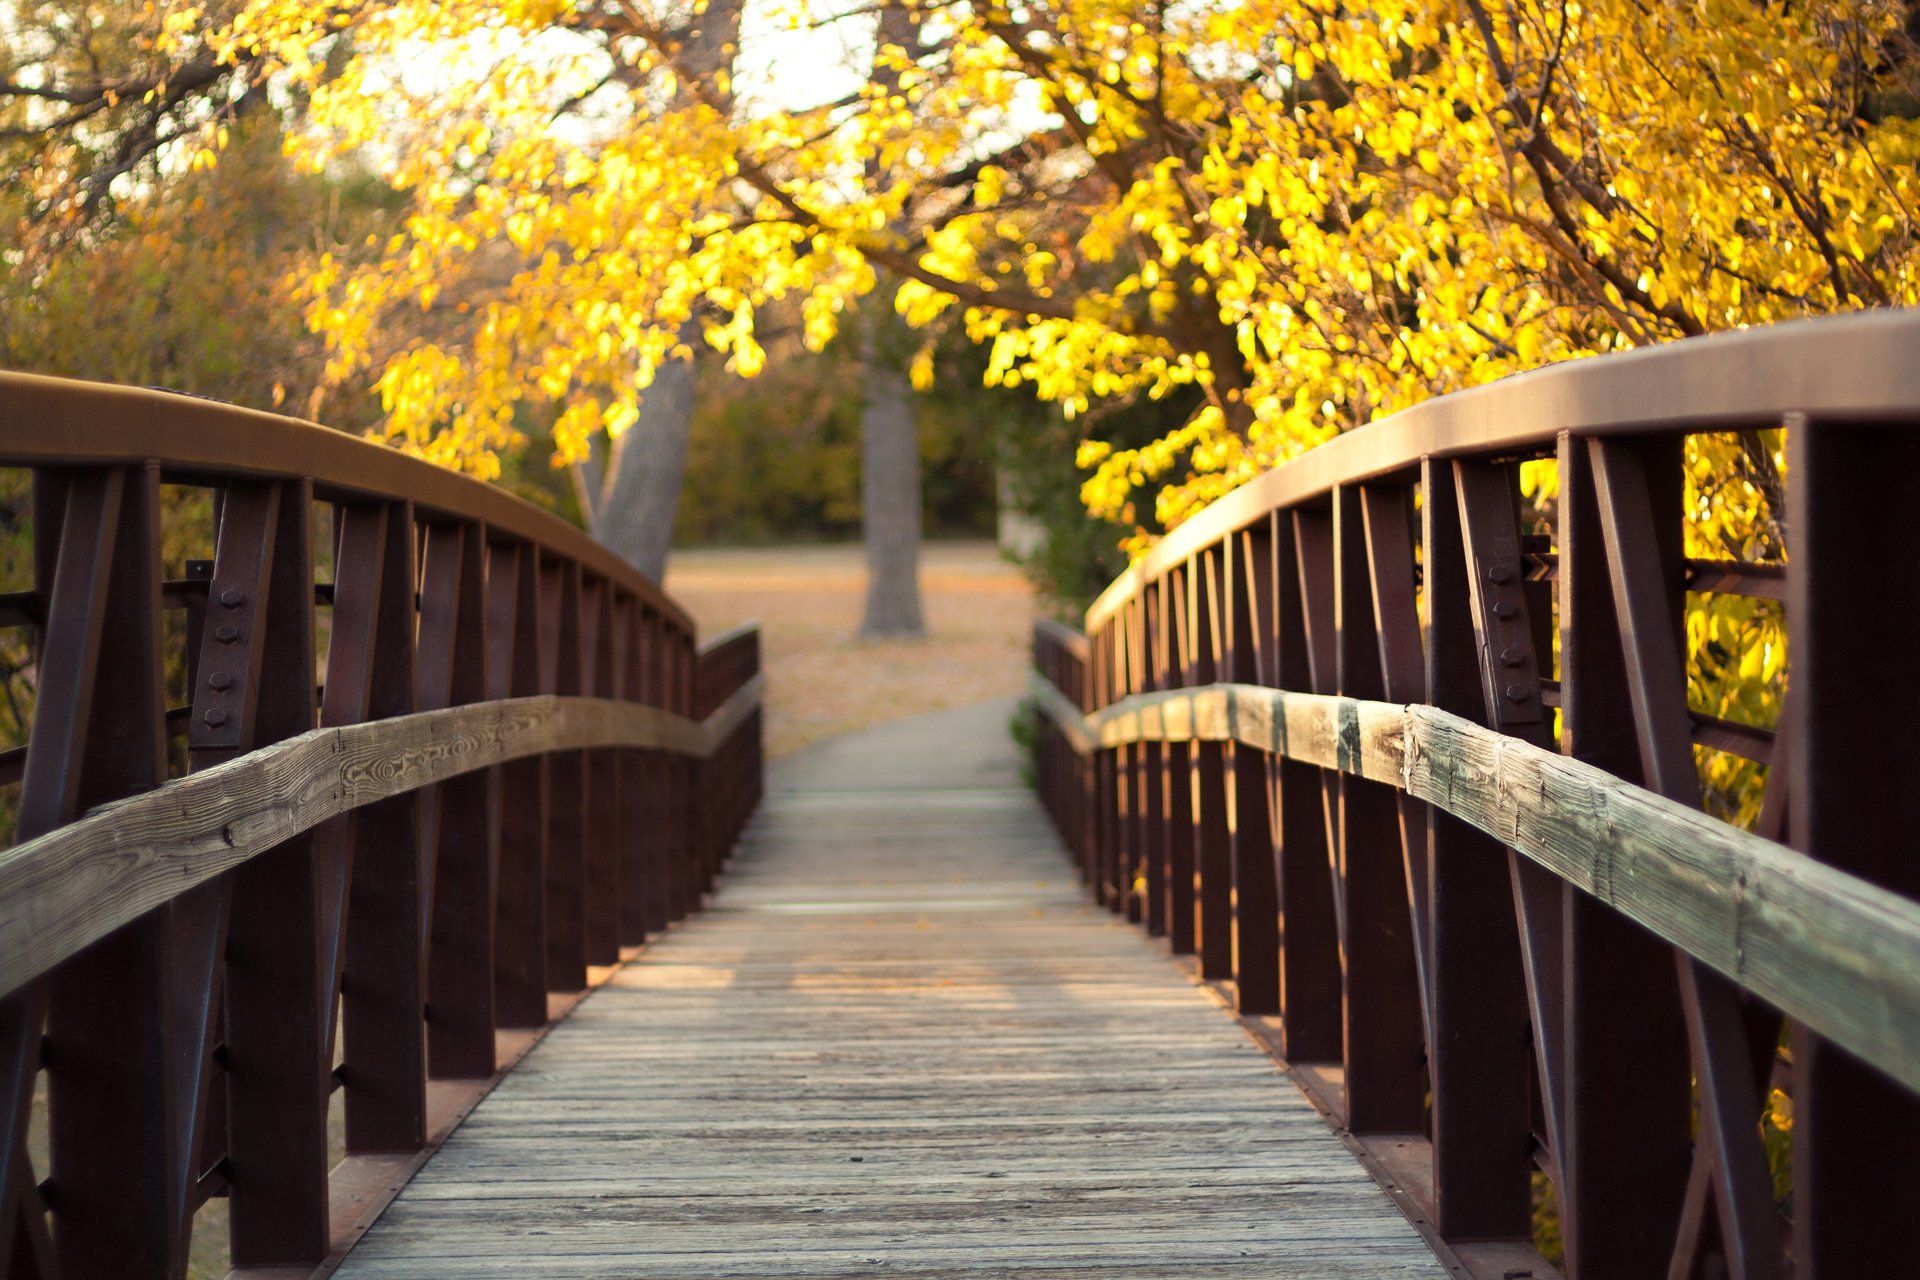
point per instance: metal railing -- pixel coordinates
(406, 802)
(1420, 784)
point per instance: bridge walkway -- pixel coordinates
(899, 1042)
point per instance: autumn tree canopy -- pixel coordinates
(1311, 212)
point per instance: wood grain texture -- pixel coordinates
(1830, 950)
(80, 882)
(898, 1042)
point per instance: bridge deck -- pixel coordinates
(898, 1042)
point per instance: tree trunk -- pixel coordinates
(631, 508)
(634, 508)
(889, 493)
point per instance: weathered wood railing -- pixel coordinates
(1462, 858)
(515, 764)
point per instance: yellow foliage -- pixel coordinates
(1312, 214)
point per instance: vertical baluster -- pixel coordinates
(1100, 838)
(661, 886)
(602, 854)
(1639, 504)
(520, 792)
(370, 906)
(458, 871)
(697, 845)
(633, 828)
(1310, 987)
(1621, 1187)
(1256, 904)
(677, 874)
(252, 684)
(1120, 684)
(1126, 623)
(1213, 840)
(1385, 1067)
(1152, 785)
(1387, 519)
(209, 1143)
(1081, 693)
(683, 794)
(99, 734)
(560, 656)
(1180, 769)
(1478, 1028)
(1856, 1191)
(1099, 877)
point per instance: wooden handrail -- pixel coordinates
(80, 882)
(1416, 777)
(59, 422)
(1839, 955)
(1857, 368)
(510, 766)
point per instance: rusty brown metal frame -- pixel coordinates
(1476, 1009)
(189, 1053)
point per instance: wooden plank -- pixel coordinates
(78, 883)
(899, 1039)
(1829, 949)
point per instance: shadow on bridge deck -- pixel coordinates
(899, 1042)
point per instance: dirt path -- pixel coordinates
(822, 680)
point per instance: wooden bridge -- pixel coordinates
(406, 783)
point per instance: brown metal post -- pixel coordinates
(1387, 520)
(1256, 903)
(1385, 1056)
(1477, 1057)
(1213, 838)
(602, 852)
(254, 686)
(1310, 985)
(458, 868)
(513, 671)
(632, 768)
(370, 899)
(660, 887)
(99, 734)
(1106, 872)
(1180, 768)
(1625, 1031)
(1129, 877)
(560, 655)
(1856, 1134)
(682, 795)
(1153, 764)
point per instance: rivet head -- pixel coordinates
(1516, 693)
(220, 680)
(215, 716)
(226, 634)
(1500, 573)
(1503, 609)
(1513, 655)
(233, 597)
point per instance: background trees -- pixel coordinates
(1285, 215)
(1308, 214)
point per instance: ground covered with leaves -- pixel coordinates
(822, 679)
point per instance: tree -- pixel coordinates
(94, 98)
(630, 489)
(1310, 214)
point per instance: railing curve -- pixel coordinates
(426, 771)
(1411, 766)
